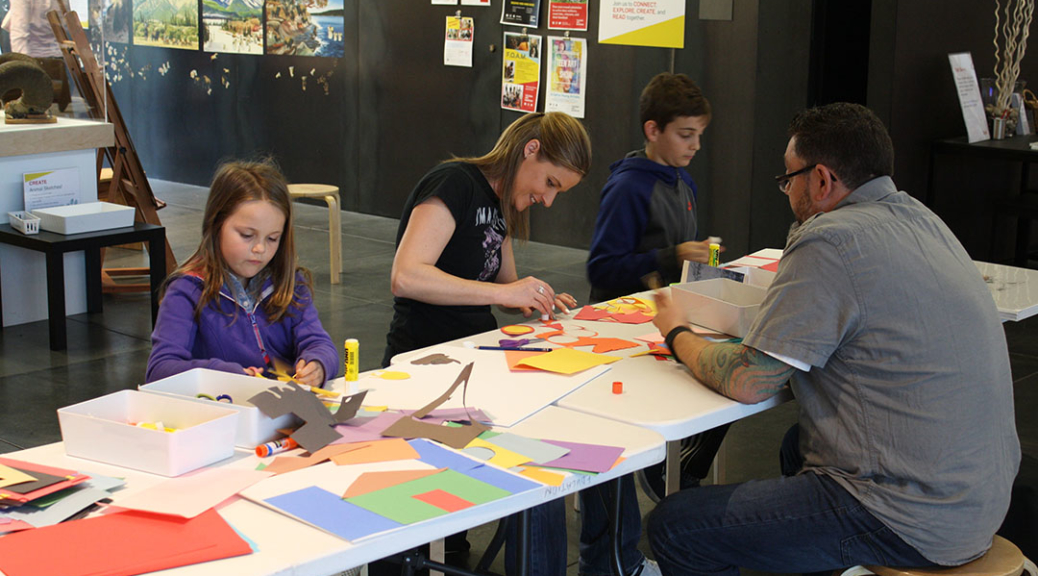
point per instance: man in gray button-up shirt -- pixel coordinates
(893, 347)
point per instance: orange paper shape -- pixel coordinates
(514, 357)
(543, 476)
(568, 361)
(590, 313)
(443, 500)
(371, 481)
(282, 464)
(773, 267)
(602, 345)
(377, 451)
(632, 318)
(517, 329)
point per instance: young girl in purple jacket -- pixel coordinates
(240, 303)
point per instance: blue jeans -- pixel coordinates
(548, 534)
(804, 523)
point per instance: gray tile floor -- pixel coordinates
(108, 351)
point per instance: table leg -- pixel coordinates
(437, 553)
(672, 481)
(95, 302)
(522, 552)
(56, 299)
(157, 262)
(615, 509)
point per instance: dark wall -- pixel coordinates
(911, 88)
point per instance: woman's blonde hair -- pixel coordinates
(564, 142)
(234, 184)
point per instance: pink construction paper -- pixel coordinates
(190, 495)
(586, 457)
(370, 430)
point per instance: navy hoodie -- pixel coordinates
(647, 210)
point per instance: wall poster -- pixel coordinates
(457, 43)
(305, 27)
(567, 76)
(658, 23)
(567, 15)
(521, 12)
(521, 72)
(232, 26)
(166, 23)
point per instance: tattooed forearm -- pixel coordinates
(739, 372)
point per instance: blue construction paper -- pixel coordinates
(331, 513)
(440, 457)
(501, 479)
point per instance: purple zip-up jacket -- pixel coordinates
(225, 339)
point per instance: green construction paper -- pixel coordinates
(397, 502)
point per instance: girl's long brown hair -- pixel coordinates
(564, 142)
(234, 184)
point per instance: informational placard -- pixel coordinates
(567, 75)
(51, 188)
(659, 23)
(567, 15)
(445, 2)
(457, 43)
(969, 96)
(475, 2)
(521, 72)
(521, 13)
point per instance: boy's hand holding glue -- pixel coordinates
(698, 251)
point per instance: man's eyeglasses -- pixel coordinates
(783, 180)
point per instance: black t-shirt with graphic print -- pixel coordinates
(473, 253)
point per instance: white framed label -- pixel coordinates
(51, 188)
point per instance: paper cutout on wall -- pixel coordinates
(316, 432)
(568, 361)
(455, 437)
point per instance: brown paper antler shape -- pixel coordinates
(453, 436)
(317, 432)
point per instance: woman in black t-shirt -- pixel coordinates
(454, 251)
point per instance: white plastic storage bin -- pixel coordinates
(720, 304)
(254, 428)
(88, 217)
(24, 222)
(101, 429)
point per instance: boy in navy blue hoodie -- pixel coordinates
(647, 219)
(647, 223)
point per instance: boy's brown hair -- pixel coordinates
(668, 96)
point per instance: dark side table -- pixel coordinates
(54, 246)
(1021, 205)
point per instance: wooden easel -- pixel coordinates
(128, 182)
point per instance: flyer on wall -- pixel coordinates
(475, 2)
(567, 75)
(521, 12)
(567, 15)
(445, 2)
(658, 23)
(457, 43)
(521, 72)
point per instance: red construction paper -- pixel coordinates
(590, 313)
(632, 318)
(773, 267)
(444, 500)
(73, 478)
(120, 544)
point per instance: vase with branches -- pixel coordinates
(1012, 27)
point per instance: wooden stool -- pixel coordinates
(330, 194)
(1003, 559)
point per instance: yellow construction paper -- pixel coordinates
(543, 476)
(392, 375)
(503, 457)
(568, 361)
(9, 476)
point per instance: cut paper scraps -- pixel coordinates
(379, 451)
(568, 361)
(190, 495)
(316, 432)
(444, 500)
(47, 480)
(390, 375)
(601, 345)
(371, 481)
(585, 457)
(636, 317)
(514, 357)
(398, 503)
(326, 511)
(10, 476)
(120, 543)
(517, 329)
(434, 359)
(544, 476)
(535, 450)
(495, 454)
(453, 436)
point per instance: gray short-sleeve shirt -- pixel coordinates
(909, 400)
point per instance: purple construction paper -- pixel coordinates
(371, 430)
(331, 513)
(440, 457)
(586, 457)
